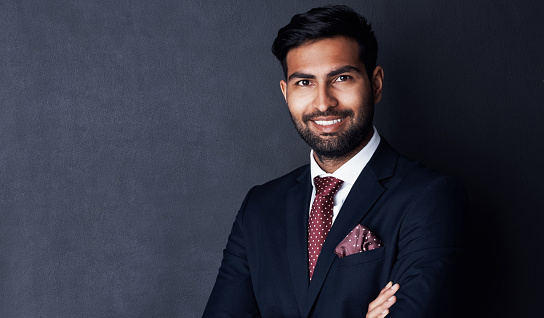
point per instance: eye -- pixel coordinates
(343, 78)
(303, 83)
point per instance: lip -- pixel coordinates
(329, 124)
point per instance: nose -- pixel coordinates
(324, 98)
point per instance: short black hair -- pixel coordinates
(327, 22)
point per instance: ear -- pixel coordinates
(377, 83)
(283, 86)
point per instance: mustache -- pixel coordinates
(328, 112)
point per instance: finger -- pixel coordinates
(376, 301)
(383, 296)
(386, 287)
(386, 304)
(382, 309)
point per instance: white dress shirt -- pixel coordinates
(348, 172)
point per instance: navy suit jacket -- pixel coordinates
(413, 210)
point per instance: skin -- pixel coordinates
(379, 308)
(330, 95)
(327, 83)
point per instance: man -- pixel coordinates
(324, 239)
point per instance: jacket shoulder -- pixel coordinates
(415, 173)
(275, 189)
(286, 180)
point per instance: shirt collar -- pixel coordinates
(349, 171)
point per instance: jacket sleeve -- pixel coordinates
(429, 248)
(232, 294)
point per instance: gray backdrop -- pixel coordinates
(130, 132)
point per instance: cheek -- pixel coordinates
(298, 104)
(354, 99)
(351, 102)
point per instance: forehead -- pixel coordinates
(323, 56)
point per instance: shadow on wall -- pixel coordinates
(436, 113)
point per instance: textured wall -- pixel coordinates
(131, 130)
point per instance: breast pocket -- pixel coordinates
(363, 257)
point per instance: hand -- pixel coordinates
(379, 308)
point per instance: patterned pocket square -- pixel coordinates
(360, 239)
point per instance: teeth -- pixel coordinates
(328, 122)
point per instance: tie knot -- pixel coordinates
(326, 186)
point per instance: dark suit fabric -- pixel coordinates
(413, 210)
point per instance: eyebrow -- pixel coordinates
(300, 75)
(343, 69)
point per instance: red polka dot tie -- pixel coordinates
(320, 221)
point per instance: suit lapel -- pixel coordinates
(363, 195)
(297, 200)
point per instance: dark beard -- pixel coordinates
(345, 142)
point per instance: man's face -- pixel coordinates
(330, 96)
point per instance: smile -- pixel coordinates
(328, 122)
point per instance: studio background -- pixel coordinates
(130, 132)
